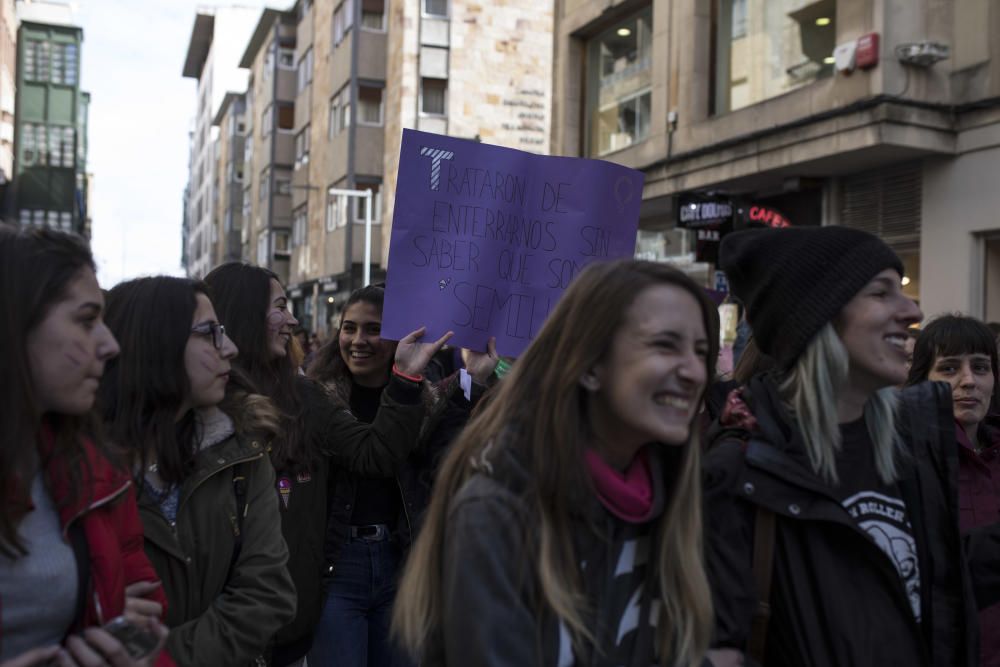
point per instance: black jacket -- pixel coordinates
(493, 610)
(836, 598)
(347, 444)
(446, 411)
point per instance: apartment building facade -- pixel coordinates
(218, 38)
(269, 144)
(468, 69)
(877, 114)
(339, 138)
(230, 120)
(450, 67)
(49, 185)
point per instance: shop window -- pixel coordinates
(433, 94)
(619, 85)
(768, 47)
(370, 105)
(373, 15)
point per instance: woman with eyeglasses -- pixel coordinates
(71, 557)
(317, 430)
(209, 514)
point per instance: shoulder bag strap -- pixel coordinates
(240, 472)
(763, 568)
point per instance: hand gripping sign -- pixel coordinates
(485, 239)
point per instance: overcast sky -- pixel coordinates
(140, 113)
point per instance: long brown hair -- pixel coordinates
(36, 269)
(575, 337)
(241, 294)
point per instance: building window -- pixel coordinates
(62, 146)
(435, 7)
(768, 47)
(348, 6)
(265, 185)
(332, 117)
(286, 117)
(344, 109)
(370, 105)
(619, 84)
(373, 15)
(338, 25)
(305, 74)
(335, 212)
(286, 58)
(359, 207)
(282, 185)
(300, 227)
(246, 203)
(266, 120)
(433, 94)
(64, 64)
(33, 144)
(36, 60)
(302, 147)
(262, 250)
(282, 245)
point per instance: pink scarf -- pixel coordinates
(628, 496)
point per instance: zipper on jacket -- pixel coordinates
(406, 512)
(96, 504)
(173, 524)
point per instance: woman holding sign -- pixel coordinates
(373, 519)
(565, 526)
(316, 428)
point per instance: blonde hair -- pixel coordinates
(573, 339)
(811, 389)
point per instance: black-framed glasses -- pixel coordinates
(213, 329)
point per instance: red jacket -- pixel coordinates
(979, 505)
(107, 508)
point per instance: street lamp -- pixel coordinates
(367, 196)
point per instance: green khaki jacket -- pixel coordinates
(217, 617)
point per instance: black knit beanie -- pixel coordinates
(795, 280)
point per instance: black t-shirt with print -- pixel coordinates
(878, 508)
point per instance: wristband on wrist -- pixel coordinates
(502, 368)
(411, 378)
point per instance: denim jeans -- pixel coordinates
(353, 630)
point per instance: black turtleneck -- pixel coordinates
(376, 500)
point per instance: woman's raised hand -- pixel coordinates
(480, 365)
(412, 357)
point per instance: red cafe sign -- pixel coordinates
(768, 216)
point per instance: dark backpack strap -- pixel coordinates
(240, 473)
(763, 568)
(81, 554)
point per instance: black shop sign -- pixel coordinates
(709, 219)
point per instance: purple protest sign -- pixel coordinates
(485, 239)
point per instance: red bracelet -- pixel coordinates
(418, 378)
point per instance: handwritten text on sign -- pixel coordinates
(485, 239)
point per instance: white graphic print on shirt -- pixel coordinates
(630, 565)
(884, 519)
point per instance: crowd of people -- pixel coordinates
(190, 479)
